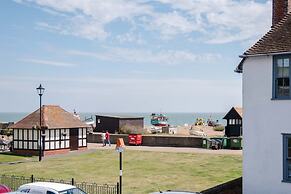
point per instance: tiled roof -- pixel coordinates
(277, 40)
(239, 110)
(52, 117)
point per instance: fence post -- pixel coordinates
(117, 185)
(31, 178)
(73, 181)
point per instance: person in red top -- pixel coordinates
(107, 137)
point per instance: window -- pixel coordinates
(281, 89)
(287, 157)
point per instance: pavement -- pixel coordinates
(97, 146)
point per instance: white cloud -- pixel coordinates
(224, 21)
(217, 21)
(167, 57)
(48, 62)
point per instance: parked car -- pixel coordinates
(49, 188)
(174, 192)
(4, 189)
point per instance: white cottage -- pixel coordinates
(267, 108)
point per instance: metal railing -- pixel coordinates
(14, 182)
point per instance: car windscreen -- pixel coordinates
(72, 191)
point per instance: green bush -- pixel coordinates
(219, 128)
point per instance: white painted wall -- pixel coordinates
(263, 122)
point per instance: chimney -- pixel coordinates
(280, 9)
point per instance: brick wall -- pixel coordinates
(231, 187)
(154, 140)
(280, 9)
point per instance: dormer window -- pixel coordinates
(281, 85)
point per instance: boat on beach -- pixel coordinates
(159, 120)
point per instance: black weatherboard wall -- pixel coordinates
(114, 123)
(234, 122)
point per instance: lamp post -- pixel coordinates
(40, 91)
(120, 148)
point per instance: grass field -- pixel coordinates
(144, 171)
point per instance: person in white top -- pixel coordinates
(103, 138)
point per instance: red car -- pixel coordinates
(4, 189)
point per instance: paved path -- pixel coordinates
(168, 149)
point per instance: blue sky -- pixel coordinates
(126, 56)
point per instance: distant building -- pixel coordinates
(234, 122)
(115, 123)
(63, 132)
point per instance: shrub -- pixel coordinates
(219, 128)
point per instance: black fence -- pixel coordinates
(13, 182)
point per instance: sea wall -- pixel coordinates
(231, 187)
(154, 140)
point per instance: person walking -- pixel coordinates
(103, 138)
(107, 137)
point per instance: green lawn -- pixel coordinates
(7, 157)
(144, 172)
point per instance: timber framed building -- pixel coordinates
(63, 132)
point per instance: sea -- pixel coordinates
(174, 119)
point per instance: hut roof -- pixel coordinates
(52, 117)
(235, 112)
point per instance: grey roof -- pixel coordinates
(120, 116)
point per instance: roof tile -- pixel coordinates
(52, 117)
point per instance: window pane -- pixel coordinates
(57, 134)
(80, 132)
(57, 144)
(20, 144)
(25, 134)
(25, 145)
(15, 144)
(283, 87)
(35, 137)
(52, 134)
(47, 135)
(30, 134)
(30, 145)
(289, 168)
(15, 136)
(52, 145)
(35, 145)
(289, 142)
(20, 134)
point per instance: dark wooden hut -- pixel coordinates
(113, 124)
(234, 122)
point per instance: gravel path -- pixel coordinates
(168, 149)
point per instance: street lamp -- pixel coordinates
(40, 91)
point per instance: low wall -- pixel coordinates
(231, 187)
(153, 140)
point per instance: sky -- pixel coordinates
(126, 55)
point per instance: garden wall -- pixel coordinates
(231, 187)
(154, 140)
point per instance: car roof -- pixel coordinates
(49, 185)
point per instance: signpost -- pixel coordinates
(120, 148)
